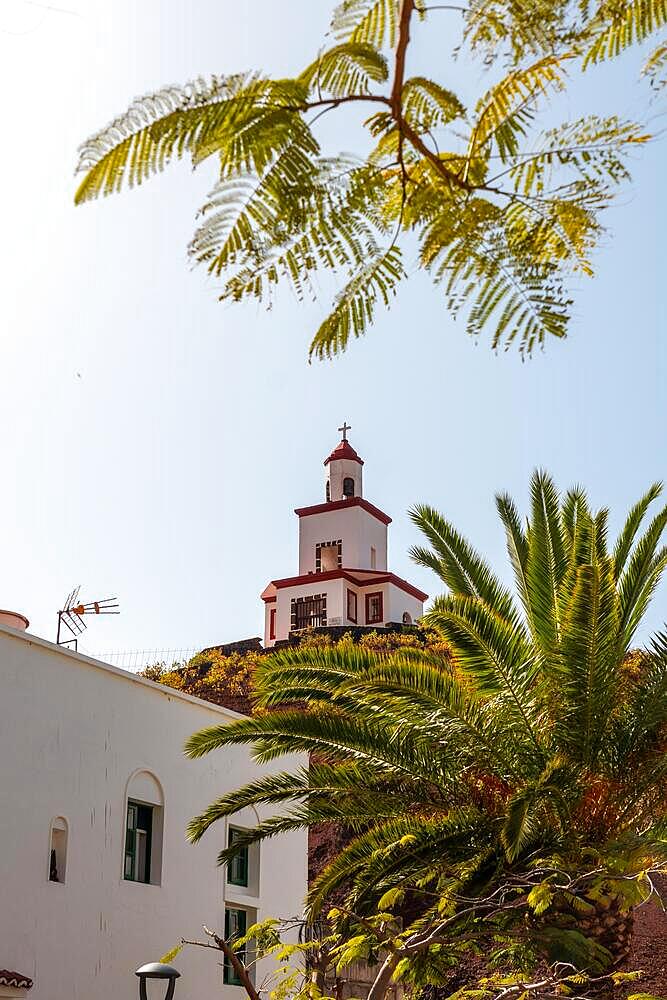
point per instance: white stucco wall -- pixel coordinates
(358, 530)
(397, 601)
(72, 732)
(332, 588)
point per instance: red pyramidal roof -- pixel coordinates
(343, 450)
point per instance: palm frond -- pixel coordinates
(641, 576)
(332, 736)
(450, 717)
(517, 546)
(457, 564)
(302, 673)
(632, 525)
(644, 712)
(547, 562)
(575, 507)
(589, 646)
(495, 653)
(382, 850)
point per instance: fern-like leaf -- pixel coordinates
(348, 68)
(502, 114)
(427, 105)
(371, 22)
(655, 67)
(620, 25)
(354, 308)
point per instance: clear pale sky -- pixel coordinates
(155, 443)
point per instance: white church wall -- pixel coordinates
(358, 530)
(397, 602)
(372, 538)
(332, 588)
(75, 735)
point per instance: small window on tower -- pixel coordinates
(272, 623)
(373, 558)
(328, 491)
(348, 487)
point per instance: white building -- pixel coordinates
(343, 577)
(96, 874)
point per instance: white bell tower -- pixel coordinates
(343, 579)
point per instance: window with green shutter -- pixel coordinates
(237, 869)
(235, 927)
(138, 842)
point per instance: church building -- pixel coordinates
(343, 577)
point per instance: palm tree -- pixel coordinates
(534, 757)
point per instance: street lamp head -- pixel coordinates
(157, 970)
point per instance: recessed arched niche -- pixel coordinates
(58, 837)
(144, 825)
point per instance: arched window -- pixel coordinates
(58, 849)
(348, 486)
(407, 618)
(144, 806)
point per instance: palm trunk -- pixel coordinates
(608, 921)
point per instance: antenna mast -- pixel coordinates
(73, 612)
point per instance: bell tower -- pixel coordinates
(343, 578)
(343, 471)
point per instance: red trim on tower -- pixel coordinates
(323, 508)
(358, 577)
(343, 451)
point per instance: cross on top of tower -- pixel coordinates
(344, 429)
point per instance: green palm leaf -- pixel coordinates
(456, 562)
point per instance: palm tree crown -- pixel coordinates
(540, 741)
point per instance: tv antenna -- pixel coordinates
(72, 615)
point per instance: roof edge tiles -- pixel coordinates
(324, 508)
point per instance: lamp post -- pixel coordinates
(157, 970)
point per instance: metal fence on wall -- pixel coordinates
(138, 659)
